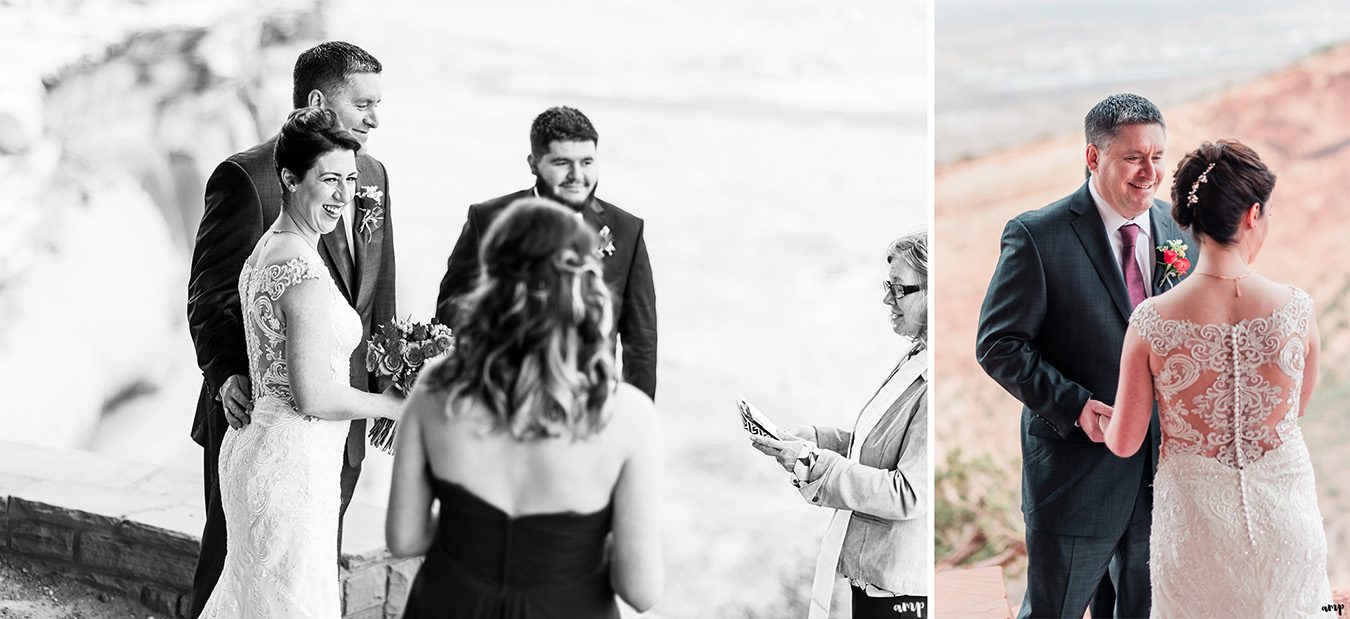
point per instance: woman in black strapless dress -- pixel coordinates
(546, 468)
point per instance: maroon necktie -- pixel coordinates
(1134, 279)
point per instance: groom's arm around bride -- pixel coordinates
(243, 197)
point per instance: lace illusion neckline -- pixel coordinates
(1282, 308)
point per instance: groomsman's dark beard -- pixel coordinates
(545, 191)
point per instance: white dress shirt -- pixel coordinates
(1144, 245)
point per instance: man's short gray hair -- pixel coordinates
(1107, 117)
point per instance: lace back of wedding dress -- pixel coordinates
(260, 291)
(1236, 527)
(1228, 392)
(279, 475)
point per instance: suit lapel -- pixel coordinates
(1164, 230)
(370, 252)
(1087, 224)
(371, 249)
(595, 214)
(337, 262)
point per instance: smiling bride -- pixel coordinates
(279, 475)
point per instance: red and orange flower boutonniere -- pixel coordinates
(1175, 263)
(373, 216)
(606, 248)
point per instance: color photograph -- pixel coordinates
(1141, 405)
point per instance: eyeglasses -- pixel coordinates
(899, 290)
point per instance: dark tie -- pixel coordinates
(359, 245)
(1134, 279)
(344, 256)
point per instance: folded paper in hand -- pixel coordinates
(755, 422)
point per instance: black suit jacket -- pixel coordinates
(628, 273)
(243, 198)
(1051, 331)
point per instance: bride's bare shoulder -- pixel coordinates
(279, 249)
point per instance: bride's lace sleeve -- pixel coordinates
(278, 277)
(1153, 329)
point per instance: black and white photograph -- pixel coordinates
(321, 309)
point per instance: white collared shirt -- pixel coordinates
(1144, 243)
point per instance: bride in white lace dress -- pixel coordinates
(279, 475)
(1231, 358)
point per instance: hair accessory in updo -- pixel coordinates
(309, 133)
(1192, 199)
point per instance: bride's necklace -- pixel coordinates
(278, 230)
(1237, 291)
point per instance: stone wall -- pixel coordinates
(133, 530)
(118, 555)
(376, 587)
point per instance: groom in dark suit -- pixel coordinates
(1051, 331)
(563, 161)
(243, 198)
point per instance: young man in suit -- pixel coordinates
(565, 167)
(1050, 333)
(243, 198)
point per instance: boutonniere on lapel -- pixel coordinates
(606, 248)
(371, 217)
(1175, 263)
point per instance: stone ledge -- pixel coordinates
(134, 530)
(42, 540)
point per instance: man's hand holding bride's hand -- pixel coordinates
(785, 451)
(1093, 420)
(236, 397)
(1104, 421)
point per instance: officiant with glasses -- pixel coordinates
(875, 475)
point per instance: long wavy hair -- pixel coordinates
(533, 338)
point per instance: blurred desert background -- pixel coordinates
(772, 147)
(1013, 84)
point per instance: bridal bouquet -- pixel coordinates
(399, 351)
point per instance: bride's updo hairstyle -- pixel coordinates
(532, 340)
(309, 133)
(1215, 184)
